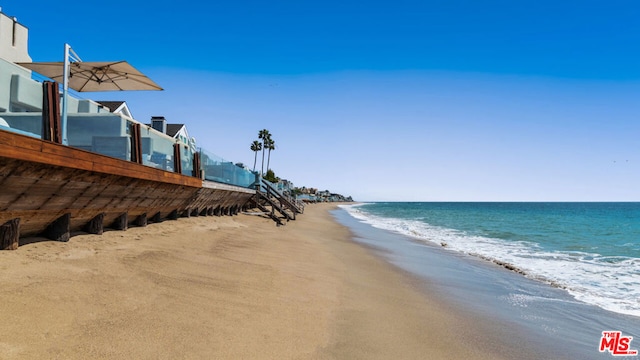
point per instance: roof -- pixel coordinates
(172, 129)
(112, 105)
(117, 107)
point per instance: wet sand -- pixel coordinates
(227, 288)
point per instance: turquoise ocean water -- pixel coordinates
(590, 249)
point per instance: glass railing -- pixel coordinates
(186, 159)
(157, 148)
(104, 134)
(29, 124)
(20, 101)
(220, 170)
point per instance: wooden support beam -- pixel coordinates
(59, 230)
(210, 211)
(173, 215)
(10, 235)
(156, 218)
(121, 222)
(141, 220)
(51, 126)
(216, 211)
(177, 163)
(136, 143)
(96, 225)
(197, 166)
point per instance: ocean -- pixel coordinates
(569, 270)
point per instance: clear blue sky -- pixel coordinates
(384, 100)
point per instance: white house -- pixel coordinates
(177, 131)
(117, 107)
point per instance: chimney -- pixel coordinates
(159, 123)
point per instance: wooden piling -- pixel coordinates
(59, 230)
(121, 222)
(141, 220)
(10, 235)
(156, 218)
(96, 225)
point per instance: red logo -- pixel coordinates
(618, 345)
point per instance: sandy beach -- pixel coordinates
(227, 288)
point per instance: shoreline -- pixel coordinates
(229, 287)
(544, 318)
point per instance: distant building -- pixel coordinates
(176, 131)
(307, 198)
(284, 186)
(311, 195)
(308, 191)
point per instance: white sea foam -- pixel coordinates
(612, 283)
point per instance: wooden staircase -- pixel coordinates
(282, 206)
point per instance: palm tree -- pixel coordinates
(271, 145)
(255, 147)
(266, 137)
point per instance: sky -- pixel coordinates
(384, 100)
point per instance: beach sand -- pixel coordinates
(227, 288)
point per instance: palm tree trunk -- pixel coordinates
(255, 159)
(268, 159)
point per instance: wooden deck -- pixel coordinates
(54, 190)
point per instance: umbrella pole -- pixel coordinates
(65, 90)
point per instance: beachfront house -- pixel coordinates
(176, 131)
(106, 127)
(73, 164)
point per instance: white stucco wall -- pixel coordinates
(13, 40)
